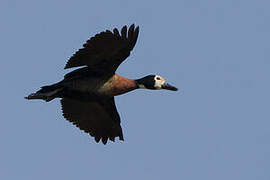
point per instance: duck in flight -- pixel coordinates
(87, 94)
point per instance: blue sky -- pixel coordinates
(216, 127)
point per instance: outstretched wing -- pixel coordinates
(106, 50)
(98, 118)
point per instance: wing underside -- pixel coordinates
(98, 118)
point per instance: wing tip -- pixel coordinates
(124, 32)
(133, 35)
(104, 139)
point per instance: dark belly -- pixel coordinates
(82, 89)
(81, 95)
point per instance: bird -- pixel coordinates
(87, 93)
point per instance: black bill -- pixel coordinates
(169, 87)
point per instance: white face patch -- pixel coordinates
(159, 81)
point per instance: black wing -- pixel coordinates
(105, 51)
(98, 118)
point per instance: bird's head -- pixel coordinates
(154, 82)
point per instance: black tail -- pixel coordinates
(47, 93)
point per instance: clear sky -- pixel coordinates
(216, 127)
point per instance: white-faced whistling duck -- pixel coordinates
(88, 93)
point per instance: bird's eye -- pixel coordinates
(158, 78)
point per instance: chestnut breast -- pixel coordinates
(117, 85)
